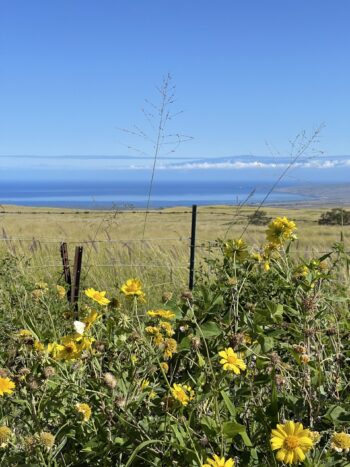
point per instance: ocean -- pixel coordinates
(105, 182)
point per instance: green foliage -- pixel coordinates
(287, 322)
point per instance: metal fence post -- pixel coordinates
(76, 279)
(192, 246)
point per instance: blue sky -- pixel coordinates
(246, 72)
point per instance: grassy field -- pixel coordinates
(115, 248)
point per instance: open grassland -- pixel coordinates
(115, 247)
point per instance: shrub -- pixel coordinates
(336, 216)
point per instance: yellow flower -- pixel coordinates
(23, 333)
(85, 410)
(5, 435)
(340, 442)
(133, 288)
(231, 361)
(134, 359)
(169, 331)
(39, 346)
(256, 257)
(152, 395)
(90, 319)
(68, 349)
(158, 339)
(54, 349)
(291, 441)
(170, 347)
(61, 291)
(83, 343)
(144, 384)
(236, 249)
(182, 393)
(267, 266)
(165, 314)
(165, 367)
(6, 386)
(301, 272)
(99, 297)
(152, 330)
(216, 461)
(42, 285)
(280, 229)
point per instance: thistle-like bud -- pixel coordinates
(110, 380)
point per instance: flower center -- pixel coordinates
(231, 359)
(291, 442)
(70, 348)
(97, 296)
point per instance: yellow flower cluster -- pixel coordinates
(161, 334)
(292, 442)
(70, 347)
(182, 393)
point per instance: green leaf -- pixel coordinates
(140, 447)
(266, 343)
(210, 329)
(231, 429)
(229, 404)
(246, 440)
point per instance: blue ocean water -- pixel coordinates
(104, 182)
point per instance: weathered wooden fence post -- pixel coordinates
(192, 246)
(72, 283)
(66, 269)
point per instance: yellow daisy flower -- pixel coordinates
(5, 436)
(90, 319)
(85, 410)
(133, 288)
(280, 229)
(340, 442)
(61, 291)
(217, 461)
(231, 362)
(99, 297)
(182, 393)
(291, 441)
(170, 347)
(165, 314)
(6, 386)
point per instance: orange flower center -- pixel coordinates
(97, 296)
(291, 442)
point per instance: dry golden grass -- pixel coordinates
(114, 248)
